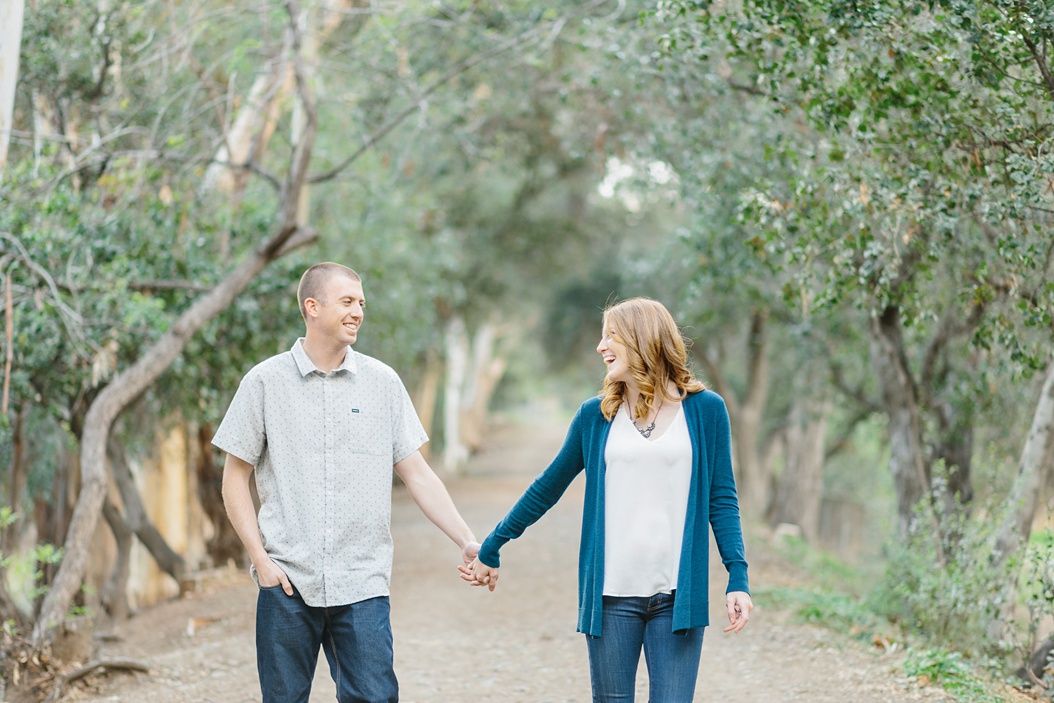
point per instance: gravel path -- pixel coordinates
(454, 642)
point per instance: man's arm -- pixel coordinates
(242, 513)
(434, 501)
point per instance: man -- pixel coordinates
(323, 427)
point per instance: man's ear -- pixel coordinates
(311, 307)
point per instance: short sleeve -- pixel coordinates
(408, 434)
(242, 431)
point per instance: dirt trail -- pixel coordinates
(454, 642)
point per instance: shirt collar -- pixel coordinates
(306, 366)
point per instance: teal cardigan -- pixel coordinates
(712, 502)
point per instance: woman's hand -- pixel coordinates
(479, 574)
(739, 606)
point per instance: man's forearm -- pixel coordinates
(238, 501)
(431, 496)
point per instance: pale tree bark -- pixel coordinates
(799, 493)
(484, 374)
(18, 478)
(130, 383)
(745, 414)
(456, 346)
(114, 593)
(900, 401)
(473, 373)
(425, 395)
(251, 129)
(11, 15)
(1034, 468)
(135, 517)
(255, 123)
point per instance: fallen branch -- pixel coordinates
(114, 664)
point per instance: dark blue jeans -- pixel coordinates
(635, 623)
(356, 638)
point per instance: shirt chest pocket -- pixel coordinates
(365, 429)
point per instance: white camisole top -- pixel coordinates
(646, 498)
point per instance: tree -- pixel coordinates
(922, 164)
(11, 12)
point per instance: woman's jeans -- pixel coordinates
(356, 638)
(630, 624)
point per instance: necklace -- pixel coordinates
(646, 432)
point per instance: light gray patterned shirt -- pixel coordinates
(323, 447)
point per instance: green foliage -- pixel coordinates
(1037, 590)
(943, 588)
(950, 670)
(830, 609)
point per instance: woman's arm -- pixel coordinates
(540, 496)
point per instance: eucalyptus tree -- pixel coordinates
(110, 182)
(922, 204)
(485, 204)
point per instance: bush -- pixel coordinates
(941, 586)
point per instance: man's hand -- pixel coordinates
(479, 574)
(269, 574)
(469, 552)
(739, 606)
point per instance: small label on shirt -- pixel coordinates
(355, 410)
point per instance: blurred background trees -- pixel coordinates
(846, 206)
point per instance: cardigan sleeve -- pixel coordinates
(542, 494)
(724, 503)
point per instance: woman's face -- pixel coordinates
(615, 355)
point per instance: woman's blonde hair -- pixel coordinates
(657, 354)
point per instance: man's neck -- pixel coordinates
(325, 357)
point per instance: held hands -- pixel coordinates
(739, 606)
(469, 552)
(479, 574)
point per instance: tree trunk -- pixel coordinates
(135, 516)
(425, 395)
(251, 130)
(482, 380)
(1037, 456)
(126, 386)
(456, 342)
(225, 544)
(754, 493)
(114, 593)
(799, 494)
(906, 461)
(11, 15)
(18, 478)
(955, 447)
(752, 482)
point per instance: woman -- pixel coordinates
(655, 447)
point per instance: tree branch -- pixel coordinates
(71, 319)
(1041, 63)
(431, 88)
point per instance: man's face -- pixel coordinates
(339, 313)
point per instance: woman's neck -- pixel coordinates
(632, 394)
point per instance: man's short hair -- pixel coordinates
(314, 279)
